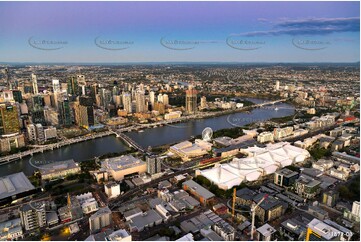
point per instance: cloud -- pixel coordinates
(310, 26)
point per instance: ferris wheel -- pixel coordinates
(207, 134)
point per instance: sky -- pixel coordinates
(121, 32)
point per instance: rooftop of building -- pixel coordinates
(201, 191)
(326, 231)
(58, 166)
(142, 220)
(14, 184)
(132, 212)
(121, 162)
(266, 230)
(100, 212)
(246, 193)
(269, 203)
(286, 172)
(308, 181)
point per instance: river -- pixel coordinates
(150, 137)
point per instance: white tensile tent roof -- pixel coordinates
(261, 161)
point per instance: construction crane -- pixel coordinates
(253, 211)
(234, 203)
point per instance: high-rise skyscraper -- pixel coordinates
(154, 164)
(160, 98)
(38, 115)
(56, 86)
(34, 82)
(152, 97)
(65, 117)
(191, 100)
(81, 83)
(127, 102)
(85, 112)
(38, 100)
(106, 98)
(140, 102)
(17, 96)
(203, 102)
(277, 87)
(9, 119)
(165, 99)
(158, 106)
(73, 87)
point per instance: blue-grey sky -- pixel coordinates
(179, 31)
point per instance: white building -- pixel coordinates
(323, 165)
(173, 115)
(152, 97)
(260, 162)
(279, 133)
(34, 81)
(165, 99)
(356, 210)
(56, 86)
(87, 203)
(119, 235)
(112, 189)
(265, 137)
(40, 133)
(31, 130)
(162, 211)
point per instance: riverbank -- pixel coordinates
(154, 137)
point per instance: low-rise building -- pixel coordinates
(266, 233)
(198, 191)
(269, 209)
(50, 133)
(145, 220)
(294, 229)
(307, 187)
(101, 219)
(323, 165)
(265, 137)
(330, 198)
(59, 169)
(112, 189)
(11, 230)
(52, 218)
(128, 215)
(318, 212)
(317, 230)
(8, 142)
(285, 177)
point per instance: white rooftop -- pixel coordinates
(121, 162)
(260, 161)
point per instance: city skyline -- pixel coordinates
(156, 32)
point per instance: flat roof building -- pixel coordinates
(285, 177)
(318, 230)
(15, 186)
(59, 169)
(121, 166)
(145, 220)
(198, 191)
